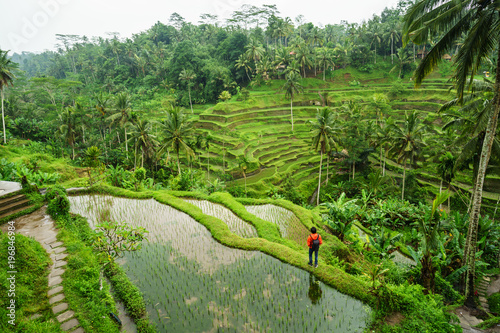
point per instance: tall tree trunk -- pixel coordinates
(471, 242)
(392, 49)
(319, 180)
(73, 148)
(291, 110)
(126, 142)
(404, 179)
(190, 103)
(440, 190)
(327, 167)
(353, 167)
(178, 163)
(324, 72)
(3, 121)
(245, 176)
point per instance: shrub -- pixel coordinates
(54, 191)
(494, 303)
(58, 206)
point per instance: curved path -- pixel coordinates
(40, 226)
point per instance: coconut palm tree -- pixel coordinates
(325, 60)
(291, 87)
(407, 142)
(303, 57)
(123, 113)
(446, 170)
(177, 128)
(68, 127)
(243, 62)
(208, 141)
(6, 78)
(142, 138)
(478, 21)
(187, 75)
(393, 32)
(471, 119)
(324, 133)
(254, 50)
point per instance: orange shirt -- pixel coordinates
(310, 239)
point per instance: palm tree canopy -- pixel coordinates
(177, 128)
(292, 85)
(407, 139)
(478, 21)
(7, 67)
(324, 130)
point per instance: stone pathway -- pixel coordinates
(40, 226)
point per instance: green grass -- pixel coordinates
(32, 264)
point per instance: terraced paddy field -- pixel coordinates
(192, 283)
(260, 130)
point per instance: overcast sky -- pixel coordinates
(31, 25)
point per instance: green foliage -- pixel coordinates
(59, 205)
(131, 297)
(397, 89)
(225, 96)
(341, 215)
(31, 286)
(81, 278)
(54, 191)
(494, 303)
(384, 243)
(112, 239)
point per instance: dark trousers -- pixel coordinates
(315, 255)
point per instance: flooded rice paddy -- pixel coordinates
(191, 283)
(235, 224)
(289, 225)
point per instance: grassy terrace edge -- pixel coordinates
(274, 245)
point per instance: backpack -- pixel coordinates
(315, 244)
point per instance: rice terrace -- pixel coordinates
(256, 173)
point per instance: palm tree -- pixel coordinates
(122, 115)
(304, 58)
(376, 38)
(208, 140)
(187, 76)
(403, 59)
(471, 119)
(254, 50)
(324, 133)
(292, 87)
(393, 33)
(143, 139)
(325, 59)
(446, 170)
(407, 142)
(177, 128)
(6, 78)
(476, 22)
(243, 62)
(68, 127)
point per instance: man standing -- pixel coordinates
(314, 241)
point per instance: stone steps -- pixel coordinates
(13, 204)
(56, 293)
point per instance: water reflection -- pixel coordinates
(315, 291)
